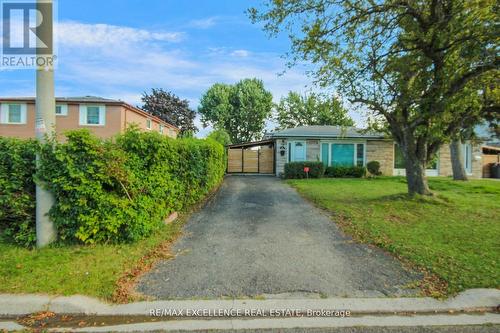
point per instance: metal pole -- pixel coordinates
(44, 126)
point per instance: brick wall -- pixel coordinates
(382, 151)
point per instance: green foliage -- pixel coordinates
(295, 170)
(374, 168)
(169, 107)
(313, 109)
(221, 136)
(240, 109)
(345, 171)
(115, 191)
(17, 190)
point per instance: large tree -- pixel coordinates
(169, 107)
(313, 109)
(404, 60)
(240, 109)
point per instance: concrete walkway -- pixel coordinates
(257, 237)
(473, 307)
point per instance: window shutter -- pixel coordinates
(83, 114)
(102, 115)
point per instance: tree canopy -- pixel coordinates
(169, 107)
(240, 109)
(404, 60)
(313, 109)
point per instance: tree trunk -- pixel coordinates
(457, 159)
(415, 177)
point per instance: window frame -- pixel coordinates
(149, 124)
(83, 117)
(5, 110)
(162, 128)
(350, 142)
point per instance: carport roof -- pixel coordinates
(251, 144)
(326, 132)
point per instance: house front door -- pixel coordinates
(299, 152)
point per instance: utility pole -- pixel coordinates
(45, 121)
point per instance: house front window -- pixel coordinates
(343, 154)
(13, 114)
(400, 164)
(467, 152)
(61, 110)
(92, 115)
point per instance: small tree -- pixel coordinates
(313, 109)
(240, 109)
(220, 136)
(167, 106)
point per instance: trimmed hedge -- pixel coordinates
(374, 168)
(115, 191)
(17, 190)
(295, 170)
(345, 171)
(106, 190)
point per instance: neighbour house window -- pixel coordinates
(343, 154)
(93, 115)
(161, 129)
(148, 123)
(13, 114)
(61, 110)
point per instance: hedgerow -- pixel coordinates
(121, 190)
(295, 170)
(17, 190)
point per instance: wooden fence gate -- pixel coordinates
(252, 157)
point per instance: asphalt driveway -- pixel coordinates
(256, 237)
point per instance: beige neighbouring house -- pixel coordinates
(103, 117)
(335, 145)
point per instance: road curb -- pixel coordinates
(469, 300)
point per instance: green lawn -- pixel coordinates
(455, 235)
(68, 270)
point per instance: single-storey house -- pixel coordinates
(103, 117)
(334, 145)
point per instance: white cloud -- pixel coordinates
(70, 33)
(204, 23)
(240, 53)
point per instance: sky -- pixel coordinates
(122, 48)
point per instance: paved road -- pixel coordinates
(257, 236)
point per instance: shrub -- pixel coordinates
(345, 171)
(114, 191)
(374, 168)
(295, 170)
(17, 190)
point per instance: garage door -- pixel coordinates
(258, 159)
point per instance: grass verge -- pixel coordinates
(454, 235)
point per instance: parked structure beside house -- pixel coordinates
(103, 117)
(335, 145)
